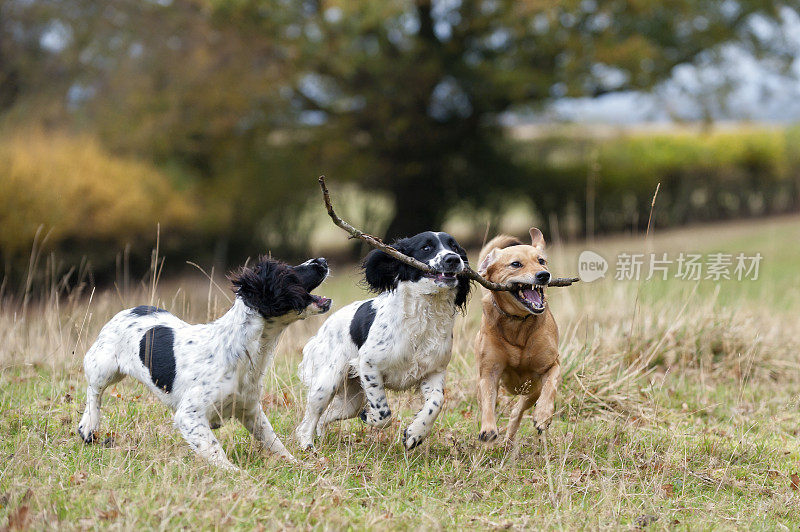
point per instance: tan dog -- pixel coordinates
(518, 340)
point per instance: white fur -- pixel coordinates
(409, 344)
(219, 367)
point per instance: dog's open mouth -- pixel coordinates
(531, 297)
(443, 278)
(322, 303)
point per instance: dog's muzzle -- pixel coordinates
(323, 304)
(532, 298)
(448, 268)
(531, 295)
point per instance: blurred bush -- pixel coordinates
(83, 198)
(93, 204)
(704, 176)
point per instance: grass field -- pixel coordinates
(679, 408)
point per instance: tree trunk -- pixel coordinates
(420, 205)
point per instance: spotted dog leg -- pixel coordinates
(261, 429)
(432, 389)
(377, 412)
(101, 370)
(197, 432)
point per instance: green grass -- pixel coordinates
(679, 409)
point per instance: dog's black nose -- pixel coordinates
(452, 261)
(542, 277)
(321, 261)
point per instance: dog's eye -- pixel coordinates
(542, 261)
(426, 247)
(516, 264)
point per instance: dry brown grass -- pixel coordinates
(680, 410)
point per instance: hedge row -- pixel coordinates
(94, 203)
(704, 176)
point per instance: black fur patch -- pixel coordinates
(157, 354)
(362, 321)
(464, 284)
(382, 272)
(274, 288)
(146, 310)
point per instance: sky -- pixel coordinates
(759, 92)
(738, 87)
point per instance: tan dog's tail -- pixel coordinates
(499, 242)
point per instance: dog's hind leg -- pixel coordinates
(347, 404)
(524, 402)
(259, 426)
(320, 394)
(196, 431)
(101, 370)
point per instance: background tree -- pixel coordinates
(242, 103)
(419, 87)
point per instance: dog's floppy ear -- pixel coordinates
(487, 261)
(270, 287)
(382, 272)
(464, 284)
(537, 238)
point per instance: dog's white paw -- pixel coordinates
(290, 458)
(304, 439)
(224, 463)
(412, 438)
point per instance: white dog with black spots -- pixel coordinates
(210, 372)
(398, 340)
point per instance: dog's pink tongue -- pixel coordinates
(532, 296)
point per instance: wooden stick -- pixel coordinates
(411, 261)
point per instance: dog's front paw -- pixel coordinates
(542, 417)
(88, 436)
(378, 419)
(411, 440)
(290, 458)
(488, 435)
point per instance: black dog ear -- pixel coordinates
(270, 287)
(464, 284)
(382, 272)
(256, 285)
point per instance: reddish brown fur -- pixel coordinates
(513, 346)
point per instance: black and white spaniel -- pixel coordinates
(398, 340)
(210, 372)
